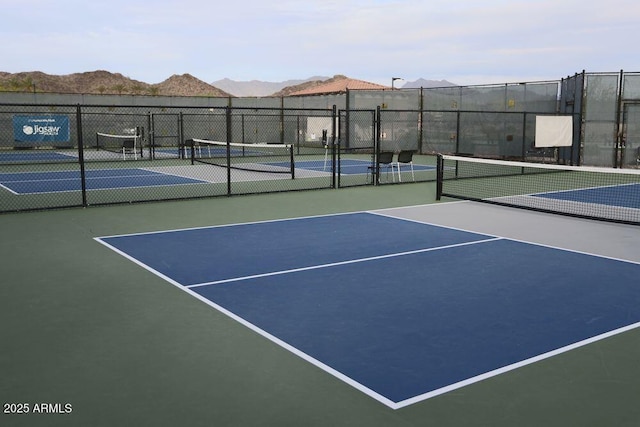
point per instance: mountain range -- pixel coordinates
(260, 88)
(105, 82)
(427, 84)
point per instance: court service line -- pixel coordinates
(334, 264)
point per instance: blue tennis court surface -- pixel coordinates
(399, 309)
(626, 196)
(35, 156)
(96, 179)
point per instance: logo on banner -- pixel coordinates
(41, 129)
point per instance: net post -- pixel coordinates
(191, 147)
(439, 175)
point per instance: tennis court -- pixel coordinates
(347, 167)
(296, 160)
(119, 178)
(358, 167)
(400, 319)
(624, 195)
(61, 155)
(36, 156)
(96, 179)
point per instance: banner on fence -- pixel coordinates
(42, 129)
(554, 131)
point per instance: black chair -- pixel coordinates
(405, 157)
(385, 161)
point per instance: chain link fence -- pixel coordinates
(54, 156)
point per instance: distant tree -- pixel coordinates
(120, 88)
(153, 90)
(138, 88)
(28, 85)
(20, 85)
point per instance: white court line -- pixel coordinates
(333, 264)
(236, 224)
(9, 189)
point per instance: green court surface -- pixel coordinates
(100, 341)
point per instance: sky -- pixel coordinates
(464, 42)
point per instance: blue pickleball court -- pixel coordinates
(624, 195)
(399, 309)
(35, 156)
(96, 179)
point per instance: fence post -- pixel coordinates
(439, 175)
(83, 180)
(420, 122)
(229, 140)
(333, 145)
(376, 142)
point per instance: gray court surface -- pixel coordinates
(599, 238)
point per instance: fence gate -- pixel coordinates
(165, 137)
(356, 146)
(628, 146)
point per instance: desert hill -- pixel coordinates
(103, 83)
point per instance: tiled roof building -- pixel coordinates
(339, 86)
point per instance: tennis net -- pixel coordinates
(256, 157)
(586, 192)
(121, 144)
